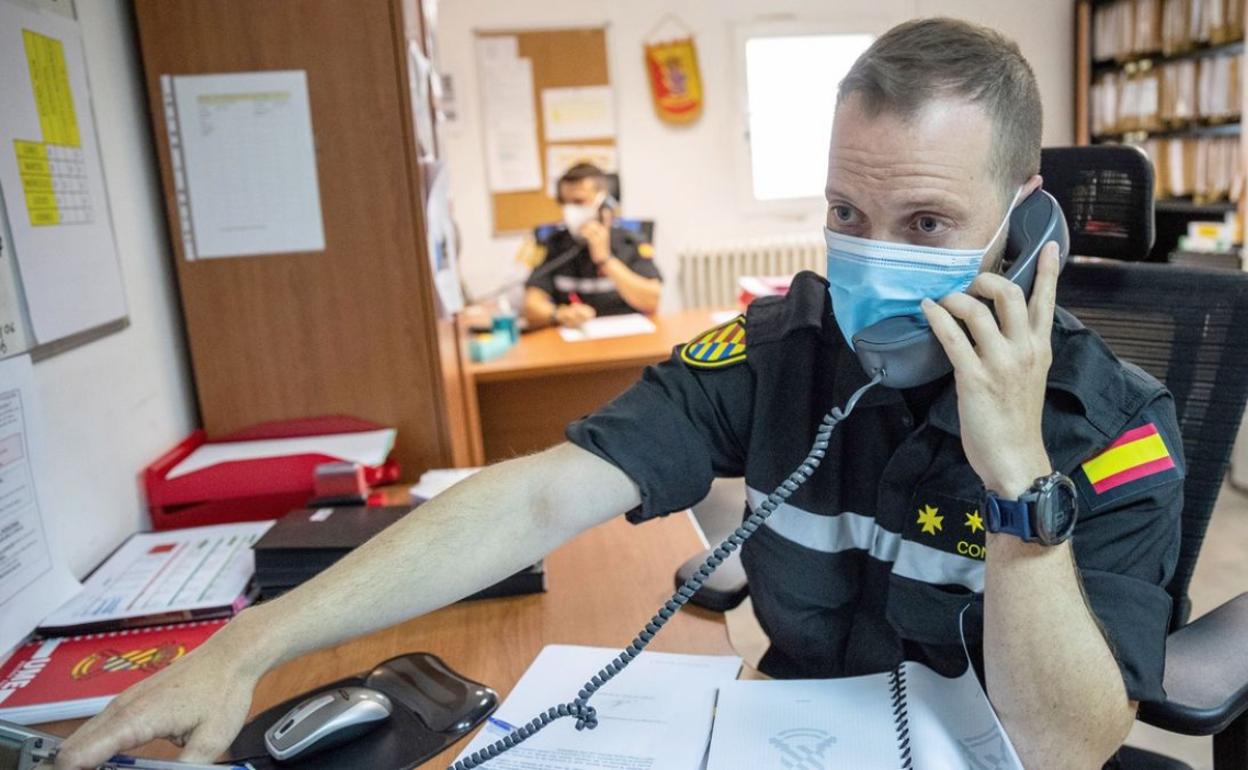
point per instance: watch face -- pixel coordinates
(1057, 511)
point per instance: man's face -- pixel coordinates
(925, 181)
(582, 192)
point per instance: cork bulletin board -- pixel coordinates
(560, 58)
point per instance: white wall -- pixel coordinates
(112, 406)
(686, 178)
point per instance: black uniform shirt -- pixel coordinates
(581, 276)
(872, 560)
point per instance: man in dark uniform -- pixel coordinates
(588, 268)
(926, 503)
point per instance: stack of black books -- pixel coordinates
(305, 542)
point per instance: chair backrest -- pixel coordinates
(1188, 327)
(642, 227)
(1106, 192)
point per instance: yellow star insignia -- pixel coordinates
(930, 521)
(975, 521)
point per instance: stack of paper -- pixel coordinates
(369, 447)
(626, 325)
(865, 721)
(435, 481)
(655, 715)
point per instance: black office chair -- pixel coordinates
(1188, 327)
(1185, 326)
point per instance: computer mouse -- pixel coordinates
(325, 720)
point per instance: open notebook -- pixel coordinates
(910, 718)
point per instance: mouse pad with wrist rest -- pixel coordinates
(433, 707)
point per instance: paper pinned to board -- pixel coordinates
(511, 149)
(244, 163)
(627, 325)
(34, 579)
(561, 157)
(369, 447)
(52, 177)
(14, 317)
(656, 715)
(574, 114)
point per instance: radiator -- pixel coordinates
(708, 274)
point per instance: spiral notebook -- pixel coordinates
(77, 676)
(910, 718)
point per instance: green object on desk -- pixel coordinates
(486, 347)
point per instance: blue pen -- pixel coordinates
(500, 723)
(124, 762)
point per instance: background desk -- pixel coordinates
(522, 401)
(604, 586)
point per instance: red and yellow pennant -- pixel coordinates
(1139, 453)
(675, 81)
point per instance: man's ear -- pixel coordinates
(1035, 182)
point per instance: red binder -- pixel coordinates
(248, 490)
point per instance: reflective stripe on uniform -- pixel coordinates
(853, 531)
(568, 284)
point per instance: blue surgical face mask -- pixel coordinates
(872, 280)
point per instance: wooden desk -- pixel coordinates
(603, 587)
(522, 401)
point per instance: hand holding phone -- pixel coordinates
(598, 237)
(1001, 367)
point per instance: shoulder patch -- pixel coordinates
(721, 346)
(645, 250)
(1138, 460)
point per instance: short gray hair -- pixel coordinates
(921, 60)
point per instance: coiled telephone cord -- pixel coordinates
(586, 715)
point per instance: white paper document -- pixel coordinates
(52, 177)
(572, 114)
(656, 715)
(181, 570)
(14, 317)
(506, 82)
(435, 481)
(561, 157)
(244, 163)
(368, 447)
(627, 325)
(858, 722)
(34, 579)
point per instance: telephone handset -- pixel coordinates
(905, 352)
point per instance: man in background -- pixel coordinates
(588, 268)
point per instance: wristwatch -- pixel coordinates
(1044, 514)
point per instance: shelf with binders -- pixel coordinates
(1194, 207)
(1231, 127)
(1145, 60)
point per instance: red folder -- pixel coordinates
(248, 490)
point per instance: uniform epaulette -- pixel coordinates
(804, 307)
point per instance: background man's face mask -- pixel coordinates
(575, 215)
(872, 280)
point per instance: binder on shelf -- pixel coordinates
(251, 489)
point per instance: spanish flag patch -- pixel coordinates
(722, 346)
(1137, 460)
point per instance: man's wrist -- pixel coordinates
(257, 643)
(1015, 478)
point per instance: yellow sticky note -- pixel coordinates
(39, 217)
(49, 80)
